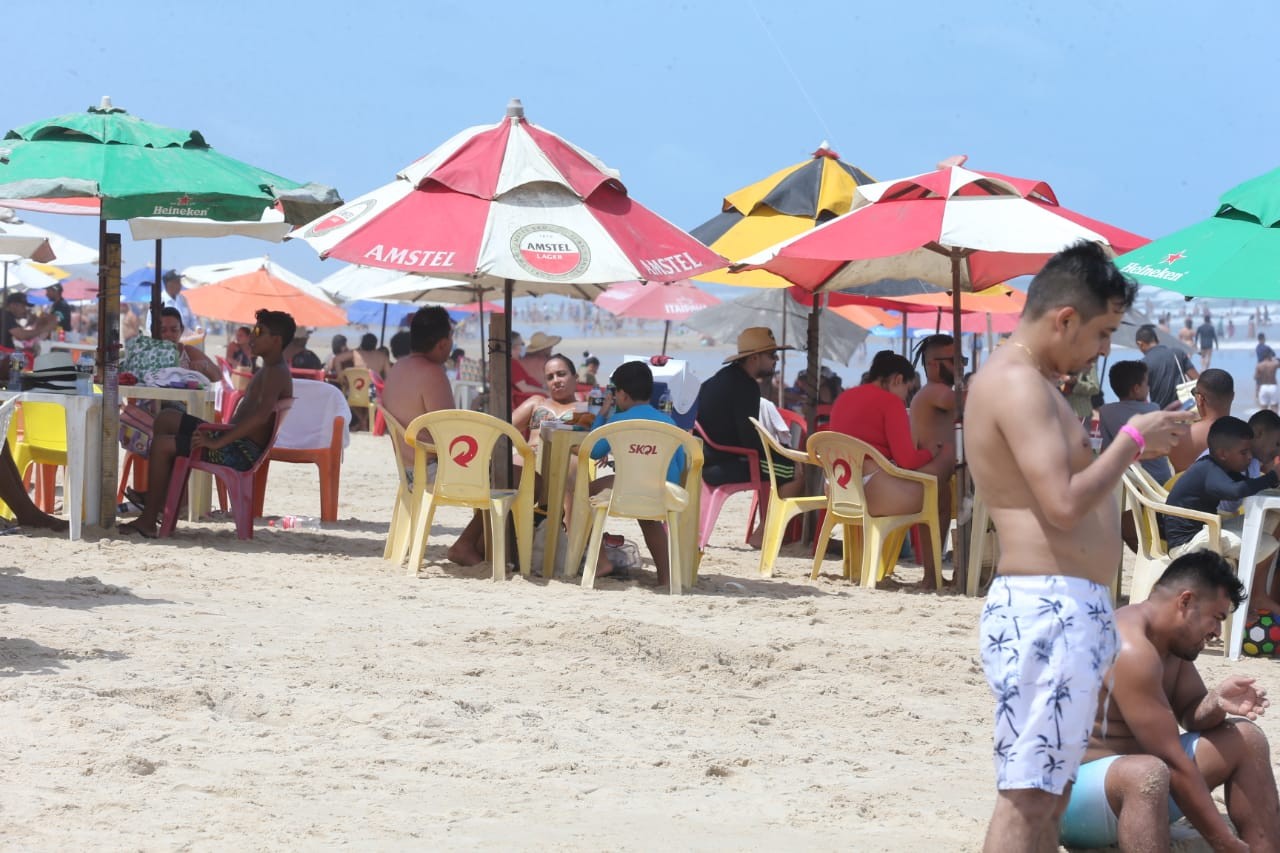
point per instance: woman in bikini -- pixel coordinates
(876, 412)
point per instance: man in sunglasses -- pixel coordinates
(933, 416)
(237, 444)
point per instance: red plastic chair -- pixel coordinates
(713, 497)
(303, 373)
(379, 422)
(239, 484)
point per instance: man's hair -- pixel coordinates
(458, 352)
(400, 346)
(1217, 386)
(429, 327)
(635, 378)
(368, 341)
(171, 275)
(1146, 334)
(170, 311)
(1082, 277)
(338, 344)
(245, 329)
(1124, 375)
(277, 323)
(1226, 431)
(1205, 572)
(1264, 421)
(573, 371)
(925, 348)
(1261, 337)
(886, 365)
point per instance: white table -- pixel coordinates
(1255, 512)
(81, 493)
(201, 402)
(68, 346)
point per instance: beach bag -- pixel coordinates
(146, 355)
(136, 427)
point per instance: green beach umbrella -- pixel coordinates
(1235, 253)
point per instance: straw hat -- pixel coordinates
(540, 342)
(754, 341)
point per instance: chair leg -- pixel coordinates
(330, 480)
(498, 538)
(935, 539)
(676, 567)
(598, 514)
(851, 551)
(524, 540)
(421, 529)
(241, 489)
(177, 485)
(398, 532)
(579, 533)
(872, 546)
(824, 536)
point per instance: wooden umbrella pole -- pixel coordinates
(960, 547)
(108, 362)
(156, 302)
(666, 330)
(813, 477)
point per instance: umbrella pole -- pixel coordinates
(960, 545)
(484, 353)
(813, 479)
(155, 293)
(108, 359)
(383, 334)
(905, 346)
(6, 280)
(782, 364)
(666, 330)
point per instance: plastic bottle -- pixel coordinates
(296, 522)
(16, 362)
(595, 400)
(84, 374)
(664, 402)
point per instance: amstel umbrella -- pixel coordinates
(505, 204)
(787, 203)
(1234, 253)
(670, 303)
(239, 297)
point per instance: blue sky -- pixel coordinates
(1137, 113)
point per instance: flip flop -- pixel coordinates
(131, 528)
(134, 495)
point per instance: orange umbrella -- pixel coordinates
(238, 298)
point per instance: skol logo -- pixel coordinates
(842, 471)
(643, 449)
(466, 447)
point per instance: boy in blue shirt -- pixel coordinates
(630, 389)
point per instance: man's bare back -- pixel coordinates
(269, 385)
(1042, 430)
(1265, 373)
(415, 385)
(374, 360)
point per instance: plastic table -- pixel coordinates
(1255, 512)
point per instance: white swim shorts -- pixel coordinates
(1267, 396)
(1047, 641)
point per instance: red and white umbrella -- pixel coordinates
(510, 202)
(514, 206)
(670, 303)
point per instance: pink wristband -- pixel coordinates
(1133, 433)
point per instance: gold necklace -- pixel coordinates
(1035, 360)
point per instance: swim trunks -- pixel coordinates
(431, 473)
(239, 454)
(1089, 821)
(1267, 395)
(1047, 641)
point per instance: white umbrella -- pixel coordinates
(62, 250)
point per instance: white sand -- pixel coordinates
(297, 691)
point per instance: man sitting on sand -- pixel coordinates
(237, 444)
(1140, 774)
(1214, 394)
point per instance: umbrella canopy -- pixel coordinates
(200, 275)
(789, 202)
(788, 319)
(239, 297)
(671, 302)
(953, 227)
(511, 202)
(65, 250)
(133, 168)
(367, 312)
(1235, 253)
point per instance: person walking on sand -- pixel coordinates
(1047, 632)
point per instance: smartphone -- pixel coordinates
(1188, 406)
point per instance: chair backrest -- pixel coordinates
(1146, 519)
(752, 455)
(771, 446)
(642, 451)
(395, 430)
(464, 442)
(281, 409)
(44, 425)
(310, 426)
(7, 410)
(358, 381)
(795, 419)
(842, 458)
(304, 373)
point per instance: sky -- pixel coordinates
(1137, 113)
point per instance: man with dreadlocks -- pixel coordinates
(933, 411)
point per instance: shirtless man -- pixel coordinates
(418, 384)
(237, 444)
(368, 356)
(1264, 378)
(1140, 774)
(1214, 394)
(1046, 631)
(933, 412)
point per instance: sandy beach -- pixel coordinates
(299, 692)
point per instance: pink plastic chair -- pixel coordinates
(239, 484)
(713, 497)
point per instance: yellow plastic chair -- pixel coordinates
(7, 411)
(357, 382)
(43, 442)
(642, 451)
(397, 547)
(1153, 552)
(842, 459)
(982, 541)
(463, 446)
(781, 510)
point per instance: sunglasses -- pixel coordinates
(944, 360)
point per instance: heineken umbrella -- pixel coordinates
(1235, 253)
(787, 203)
(509, 203)
(667, 302)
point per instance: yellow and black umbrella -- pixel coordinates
(788, 202)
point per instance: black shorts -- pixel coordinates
(239, 454)
(733, 470)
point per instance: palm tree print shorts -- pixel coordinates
(1047, 641)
